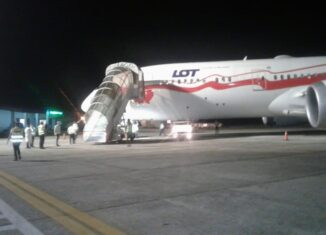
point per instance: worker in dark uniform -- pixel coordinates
(16, 136)
(130, 135)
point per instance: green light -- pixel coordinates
(53, 112)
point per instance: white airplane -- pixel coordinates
(283, 86)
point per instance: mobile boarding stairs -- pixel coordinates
(105, 106)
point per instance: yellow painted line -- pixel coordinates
(74, 220)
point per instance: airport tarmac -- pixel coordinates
(238, 182)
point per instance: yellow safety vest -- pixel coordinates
(16, 135)
(41, 130)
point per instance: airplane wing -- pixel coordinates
(291, 103)
(304, 101)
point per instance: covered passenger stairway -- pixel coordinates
(106, 104)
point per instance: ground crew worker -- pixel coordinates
(218, 125)
(129, 131)
(162, 127)
(33, 130)
(16, 136)
(28, 136)
(57, 132)
(41, 133)
(75, 128)
(72, 132)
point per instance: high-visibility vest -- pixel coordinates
(41, 130)
(16, 135)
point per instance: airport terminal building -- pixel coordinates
(10, 116)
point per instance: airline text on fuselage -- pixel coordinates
(184, 73)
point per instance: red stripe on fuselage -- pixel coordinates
(267, 71)
(263, 83)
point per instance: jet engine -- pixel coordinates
(316, 105)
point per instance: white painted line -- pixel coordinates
(7, 227)
(18, 222)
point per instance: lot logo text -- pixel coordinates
(184, 73)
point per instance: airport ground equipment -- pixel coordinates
(181, 130)
(106, 105)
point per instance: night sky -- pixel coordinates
(47, 49)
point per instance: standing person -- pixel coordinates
(16, 137)
(162, 128)
(75, 129)
(57, 132)
(41, 133)
(72, 133)
(218, 125)
(33, 131)
(28, 136)
(129, 131)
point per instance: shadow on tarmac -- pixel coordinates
(40, 160)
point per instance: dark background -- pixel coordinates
(51, 53)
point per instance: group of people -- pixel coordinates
(17, 133)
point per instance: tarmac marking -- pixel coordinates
(72, 219)
(15, 221)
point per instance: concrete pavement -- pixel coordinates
(244, 184)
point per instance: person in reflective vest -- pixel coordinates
(41, 133)
(16, 136)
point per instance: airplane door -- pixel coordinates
(259, 80)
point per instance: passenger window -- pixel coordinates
(275, 77)
(289, 76)
(282, 77)
(229, 79)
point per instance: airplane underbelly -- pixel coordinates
(240, 102)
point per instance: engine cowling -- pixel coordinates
(316, 105)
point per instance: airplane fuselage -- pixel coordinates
(228, 89)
